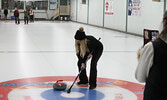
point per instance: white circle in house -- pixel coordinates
(72, 95)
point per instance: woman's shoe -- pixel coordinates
(80, 83)
(92, 87)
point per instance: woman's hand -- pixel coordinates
(83, 66)
(139, 52)
(90, 56)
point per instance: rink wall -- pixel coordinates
(117, 15)
(38, 14)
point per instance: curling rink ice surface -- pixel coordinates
(34, 56)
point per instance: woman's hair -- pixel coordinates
(82, 47)
(163, 34)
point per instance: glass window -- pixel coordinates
(12, 4)
(63, 2)
(53, 4)
(83, 1)
(37, 5)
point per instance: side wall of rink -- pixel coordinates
(132, 16)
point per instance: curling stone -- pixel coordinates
(59, 85)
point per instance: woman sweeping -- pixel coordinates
(87, 47)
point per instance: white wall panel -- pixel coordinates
(82, 11)
(165, 5)
(118, 19)
(96, 12)
(0, 4)
(151, 17)
(73, 10)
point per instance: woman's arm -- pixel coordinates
(145, 62)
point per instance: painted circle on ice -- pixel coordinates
(40, 88)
